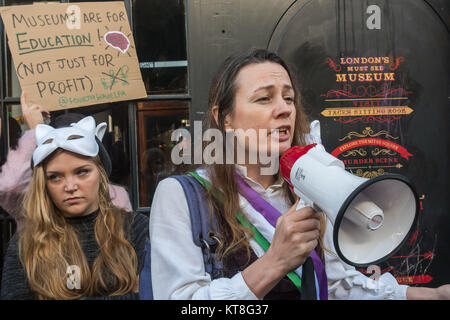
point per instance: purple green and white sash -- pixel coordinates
(271, 214)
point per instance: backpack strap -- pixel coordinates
(145, 277)
(201, 234)
(202, 223)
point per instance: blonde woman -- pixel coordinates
(15, 173)
(74, 243)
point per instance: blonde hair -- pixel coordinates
(48, 245)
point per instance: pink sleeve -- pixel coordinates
(119, 197)
(15, 174)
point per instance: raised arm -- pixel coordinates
(16, 172)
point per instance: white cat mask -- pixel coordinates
(78, 138)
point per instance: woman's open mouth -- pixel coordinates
(282, 133)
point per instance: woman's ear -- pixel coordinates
(215, 113)
(227, 120)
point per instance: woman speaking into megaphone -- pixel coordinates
(263, 247)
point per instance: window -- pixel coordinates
(160, 36)
(156, 122)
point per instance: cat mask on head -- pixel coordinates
(78, 138)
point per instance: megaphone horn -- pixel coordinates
(371, 218)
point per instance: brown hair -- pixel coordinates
(48, 245)
(222, 94)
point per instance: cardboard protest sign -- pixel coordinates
(69, 55)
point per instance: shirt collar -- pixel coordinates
(242, 171)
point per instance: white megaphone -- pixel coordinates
(372, 218)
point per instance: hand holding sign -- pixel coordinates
(32, 114)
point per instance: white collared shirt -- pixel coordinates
(177, 265)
